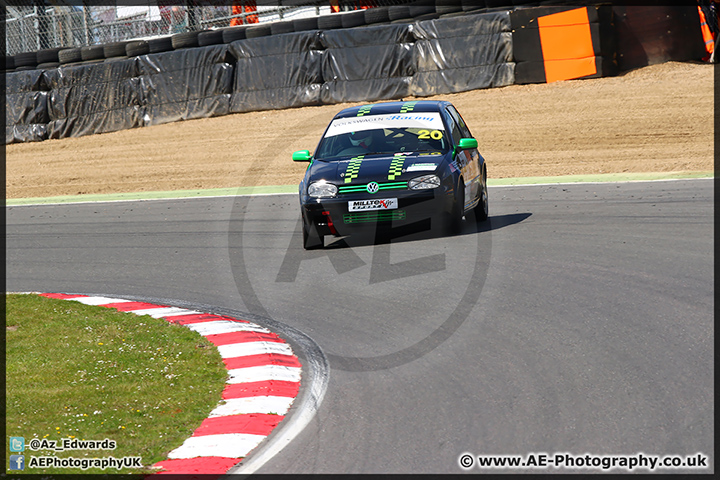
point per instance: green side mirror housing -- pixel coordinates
(301, 156)
(467, 143)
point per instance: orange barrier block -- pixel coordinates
(556, 70)
(579, 16)
(567, 45)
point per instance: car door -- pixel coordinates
(472, 169)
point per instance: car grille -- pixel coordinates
(376, 216)
(363, 187)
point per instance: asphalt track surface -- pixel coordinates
(578, 319)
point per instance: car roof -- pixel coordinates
(393, 107)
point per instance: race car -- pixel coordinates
(392, 163)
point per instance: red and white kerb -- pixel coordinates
(263, 381)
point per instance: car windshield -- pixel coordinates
(383, 134)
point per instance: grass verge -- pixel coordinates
(75, 371)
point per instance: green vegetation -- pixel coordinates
(83, 372)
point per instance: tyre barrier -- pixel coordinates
(115, 49)
(184, 84)
(9, 63)
(353, 19)
(69, 55)
(184, 40)
(281, 71)
(92, 52)
(329, 22)
(26, 59)
(377, 15)
(303, 24)
(487, 47)
(26, 111)
(232, 34)
(277, 28)
(159, 45)
(322, 63)
(140, 47)
(211, 37)
(255, 31)
(48, 55)
(367, 64)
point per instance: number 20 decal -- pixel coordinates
(434, 134)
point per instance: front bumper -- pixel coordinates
(331, 216)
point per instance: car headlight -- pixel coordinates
(322, 190)
(424, 182)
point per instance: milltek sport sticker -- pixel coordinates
(422, 167)
(384, 204)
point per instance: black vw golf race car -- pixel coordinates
(395, 163)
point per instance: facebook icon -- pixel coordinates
(17, 462)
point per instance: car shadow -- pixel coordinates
(422, 230)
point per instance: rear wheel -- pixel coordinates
(481, 210)
(311, 239)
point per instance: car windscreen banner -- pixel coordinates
(427, 120)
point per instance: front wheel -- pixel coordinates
(481, 210)
(311, 239)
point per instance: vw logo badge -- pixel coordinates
(372, 187)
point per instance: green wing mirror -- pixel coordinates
(302, 156)
(466, 143)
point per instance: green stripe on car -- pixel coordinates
(396, 166)
(353, 168)
(407, 107)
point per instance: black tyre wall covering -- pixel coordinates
(26, 111)
(381, 61)
(367, 64)
(185, 84)
(96, 98)
(275, 72)
(462, 53)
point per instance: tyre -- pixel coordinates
(311, 239)
(70, 55)
(443, 8)
(137, 48)
(48, 55)
(26, 59)
(212, 37)
(115, 49)
(231, 34)
(376, 15)
(48, 65)
(303, 24)
(353, 19)
(184, 40)
(329, 22)
(481, 209)
(455, 224)
(398, 12)
(92, 52)
(277, 28)
(418, 10)
(256, 31)
(470, 5)
(157, 45)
